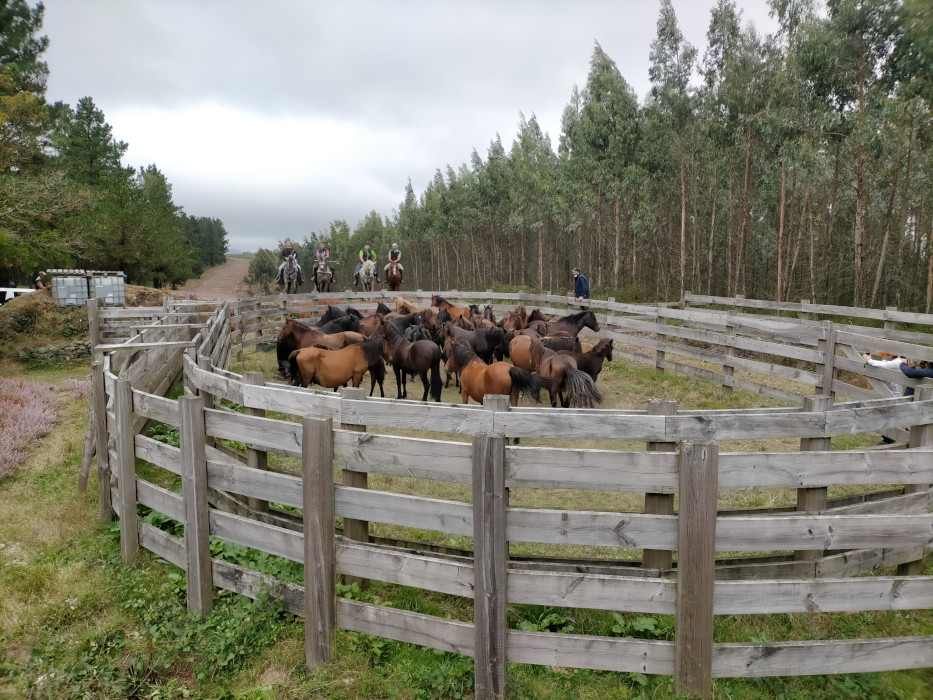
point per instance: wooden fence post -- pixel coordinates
(317, 470)
(812, 500)
(728, 370)
(356, 530)
(828, 347)
(696, 566)
(659, 503)
(194, 493)
(257, 459)
(489, 566)
(661, 339)
(920, 436)
(103, 441)
(126, 465)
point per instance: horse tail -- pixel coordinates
(294, 373)
(581, 389)
(436, 384)
(527, 383)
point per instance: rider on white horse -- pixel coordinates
(395, 255)
(365, 254)
(287, 250)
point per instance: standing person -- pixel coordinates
(395, 255)
(321, 253)
(39, 283)
(287, 250)
(365, 254)
(581, 286)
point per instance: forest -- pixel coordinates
(780, 166)
(65, 198)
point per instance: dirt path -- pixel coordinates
(221, 283)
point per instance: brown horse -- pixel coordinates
(295, 335)
(334, 368)
(478, 379)
(419, 357)
(515, 320)
(573, 324)
(520, 349)
(591, 361)
(403, 306)
(454, 311)
(394, 276)
(561, 369)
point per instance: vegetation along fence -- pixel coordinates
(808, 558)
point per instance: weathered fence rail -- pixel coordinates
(834, 542)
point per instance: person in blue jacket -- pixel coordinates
(581, 287)
(914, 372)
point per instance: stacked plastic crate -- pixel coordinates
(69, 287)
(109, 286)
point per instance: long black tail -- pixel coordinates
(581, 390)
(527, 383)
(436, 383)
(294, 374)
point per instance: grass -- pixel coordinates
(75, 622)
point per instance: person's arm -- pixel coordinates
(916, 372)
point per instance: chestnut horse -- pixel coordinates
(334, 368)
(520, 349)
(478, 379)
(394, 276)
(561, 368)
(454, 311)
(295, 335)
(419, 357)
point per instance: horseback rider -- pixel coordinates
(395, 255)
(365, 254)
(287, 250)
(321, 253)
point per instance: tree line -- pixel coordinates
(796, 164)
(66, 200)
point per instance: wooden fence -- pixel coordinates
(817, 550)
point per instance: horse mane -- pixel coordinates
(538, 351)
(462, 354)
(575, 317)
(382, 309)
(560, 343)
(437, 300)
(372, 350)
(301, 325)
(535, 315)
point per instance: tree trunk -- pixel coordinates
(780, 241)
(741, 276)
(540, 251)
(729, 221)
(617, 258)
(683, 217)
(929, 268)
(859, 191)
(793, 263)
(712, 232)
(905, 206)
(829, 233)
(887, 230)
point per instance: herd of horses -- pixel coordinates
(472, 346)
(323, 277)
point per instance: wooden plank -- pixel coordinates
(573, 589)
(439, 460)
(256, 459)
(353, 528)
(630, 530)
(696, 533)
(268, 434)
(741, 534)
(317, 461)
(154, 407)
(126, 470)
(865, 342)
(821, 657)
(160, 500)
(813, 499)
(823, 595)
(404, 626)
(491, 552)
(162, 544)
(267, 538)
(590, 651)
(861, 561)
(292, 400)
(256, 484)
(194, 492)
(449, 575)
(450, 517)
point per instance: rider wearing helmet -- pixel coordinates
(288, 249)
(365, 254)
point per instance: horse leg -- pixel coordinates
(399, 380)
(427, 384)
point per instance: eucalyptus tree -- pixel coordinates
(672, 59)
(492, 186)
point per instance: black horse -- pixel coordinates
(419, 357)
(484, 341)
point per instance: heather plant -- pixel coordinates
(27, 411)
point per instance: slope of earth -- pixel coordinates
(220, 283)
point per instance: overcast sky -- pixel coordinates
(279, 117)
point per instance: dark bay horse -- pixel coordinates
(484, 341)
(394, 276)
(420, 357)
(573, 324)
(334, 368)
(478, 379)
(567, 379)
(591, 361)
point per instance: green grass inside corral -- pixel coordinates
(74, 622)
